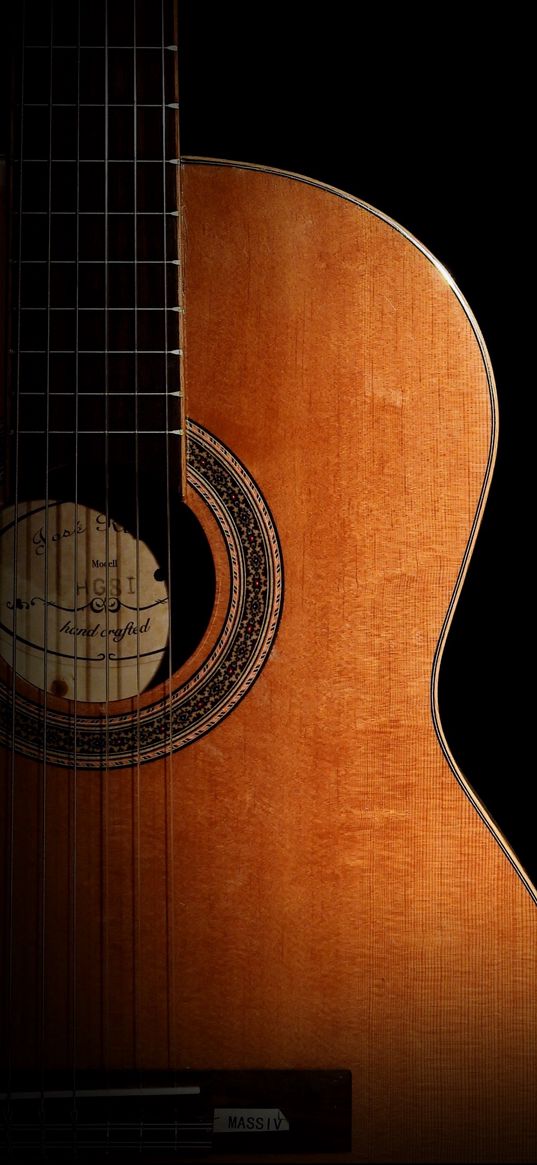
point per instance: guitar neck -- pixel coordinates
(95, 370)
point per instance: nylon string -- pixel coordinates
(74, 784)
(16, 454)
(44, 789)
(137, 888)
(105, 780)
(169, 832)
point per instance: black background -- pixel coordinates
(427, 119)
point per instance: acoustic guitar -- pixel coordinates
(251, 908)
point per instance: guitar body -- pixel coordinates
(293, 877)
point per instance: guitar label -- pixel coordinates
(88, 615)
(250, 1120)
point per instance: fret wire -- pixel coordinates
(97, 214)
(102, 161)
(104, 432)
(157, 392)
(98, 105)
(100, 351)
(103, 309)
(172, 48)
(99, 262)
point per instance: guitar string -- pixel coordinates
(47, 519)
(136, 824)
(44, 782)
(13, 692)
(47, 522)
(168, 775)
(74, 784)
(105, 783)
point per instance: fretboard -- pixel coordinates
(95, 384)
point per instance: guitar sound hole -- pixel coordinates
(191, 585)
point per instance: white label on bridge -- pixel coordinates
(250, 1120)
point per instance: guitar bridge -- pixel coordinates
(176, 1117)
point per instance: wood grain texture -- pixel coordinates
(308, 886)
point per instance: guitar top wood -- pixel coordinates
(305, 881)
